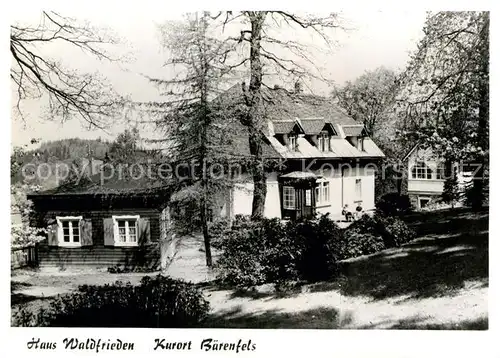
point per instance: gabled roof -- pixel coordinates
(315, 126)
(312, 126)
(283, 127)
(112, 182)
(283, 110)
(353, 131)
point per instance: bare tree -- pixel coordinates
(69, 94)
(189, 116)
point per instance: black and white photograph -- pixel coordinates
(249, 169)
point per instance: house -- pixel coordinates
(105, 221)
(324, 159)
(426, 175)
(318, 160)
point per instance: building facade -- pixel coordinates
(426, 176)
(324, 160)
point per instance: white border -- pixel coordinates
(313, 343)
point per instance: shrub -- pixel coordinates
(268, 251)
(315, 238)
(264, 251)
(362, 237)
(395, 231)
(239, 263)
(217, 230)
(394, 204)
(157, 302)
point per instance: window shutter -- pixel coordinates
(144, 231)
(86, 232)
(52, 235)
(109, 232)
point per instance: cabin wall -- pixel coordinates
(99, 255)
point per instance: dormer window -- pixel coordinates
(293, 142)
(324, 141)
(360, 144)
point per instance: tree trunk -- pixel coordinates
(479, 177)
(254, 117)
(259, 176)
(204, 140)
(204, 224)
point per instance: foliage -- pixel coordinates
(451, 190)
(193, 123)
(445, 90)
(368, 98)
(394, 231)
(316, 238)
(394, 204)
(262, 251)
(361, 238)
(24, 234)
(58, 155)
(157, 302)
(217, 229)
(126, 148)
(267, 250)
(241, 263)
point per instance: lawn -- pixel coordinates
(438, 281)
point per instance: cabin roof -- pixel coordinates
(115, 181)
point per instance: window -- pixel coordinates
(421, 171)
(288, 197)
(423, 202)
(440, 171)
(323, 193)
(293, 142)
(69, 230)
(126, 230)
(360, 144)
(357, 190)
(324, 142)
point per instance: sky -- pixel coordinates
(376, 38)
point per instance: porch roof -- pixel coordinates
(298, 176)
